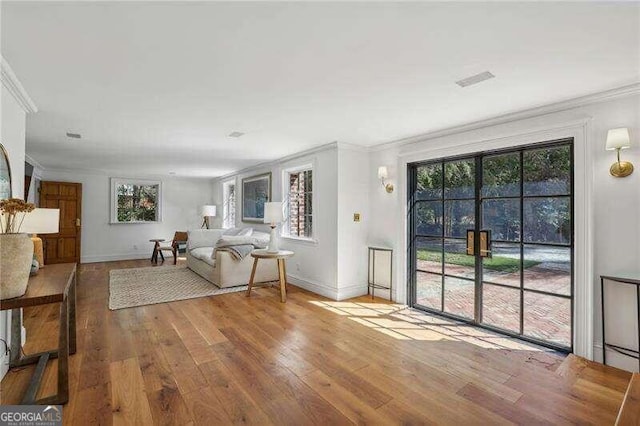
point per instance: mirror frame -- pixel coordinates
(5, 156)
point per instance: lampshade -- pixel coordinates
(383, 173)
(41, 221)
(618, 138)
(208, 211)
(273, 212)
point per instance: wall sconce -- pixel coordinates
(619, 139)
(383, 174)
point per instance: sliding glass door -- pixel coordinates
(491, 240)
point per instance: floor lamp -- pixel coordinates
(207, 212)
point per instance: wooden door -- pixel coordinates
(63, 247)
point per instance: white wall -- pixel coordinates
(12, 132)
(36, 177)
(614, 206)
(616, 209)
(335, 263)
(314, 265)
(353, 197)
(102, 241)
(12, 129)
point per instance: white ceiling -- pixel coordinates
(157, 87)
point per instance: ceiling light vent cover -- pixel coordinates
(74, 135)
(475, 79)
(235, 134)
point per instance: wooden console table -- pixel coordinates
(53, 284)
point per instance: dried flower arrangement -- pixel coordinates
(13, 211)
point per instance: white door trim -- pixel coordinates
(461, 144)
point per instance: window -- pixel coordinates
(299, 205)
(135, 201)
(229, 204)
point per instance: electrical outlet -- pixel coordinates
(297, 267)
(356, 217)
(135, 247)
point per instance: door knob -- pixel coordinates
(485, 243)
(471, 242)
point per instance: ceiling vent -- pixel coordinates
(475, 79)
(74, 135)
(235, 134)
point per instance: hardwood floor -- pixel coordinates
(232, 359)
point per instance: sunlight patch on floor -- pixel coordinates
(361, 312)
(404, 323)
(336, 310)
(359, 308)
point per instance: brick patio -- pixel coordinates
(545, 317)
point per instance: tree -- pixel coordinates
(136, 202)
(545, 172)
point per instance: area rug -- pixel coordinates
(147, 286)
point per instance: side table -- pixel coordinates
(54, 284)
(372, 279)
(280, 256)
(632, 280)
(156, 250)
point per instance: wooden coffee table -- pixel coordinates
(280, 256)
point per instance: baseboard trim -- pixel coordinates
(597, 352)
(352, 291)
(313, 287)
(113, 257)
(328, 292)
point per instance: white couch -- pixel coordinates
(224, 270)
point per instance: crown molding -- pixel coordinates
(607, 95)
(13, 85)
(353, 147)
(107, 172)
(10, 81)
(123, 175)
(267, 164)
(29, 159)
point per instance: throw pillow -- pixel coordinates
(203, 238)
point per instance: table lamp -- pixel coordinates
(273, 216)
(207, 212)
(41, 221)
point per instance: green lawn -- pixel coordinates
(495, 263)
